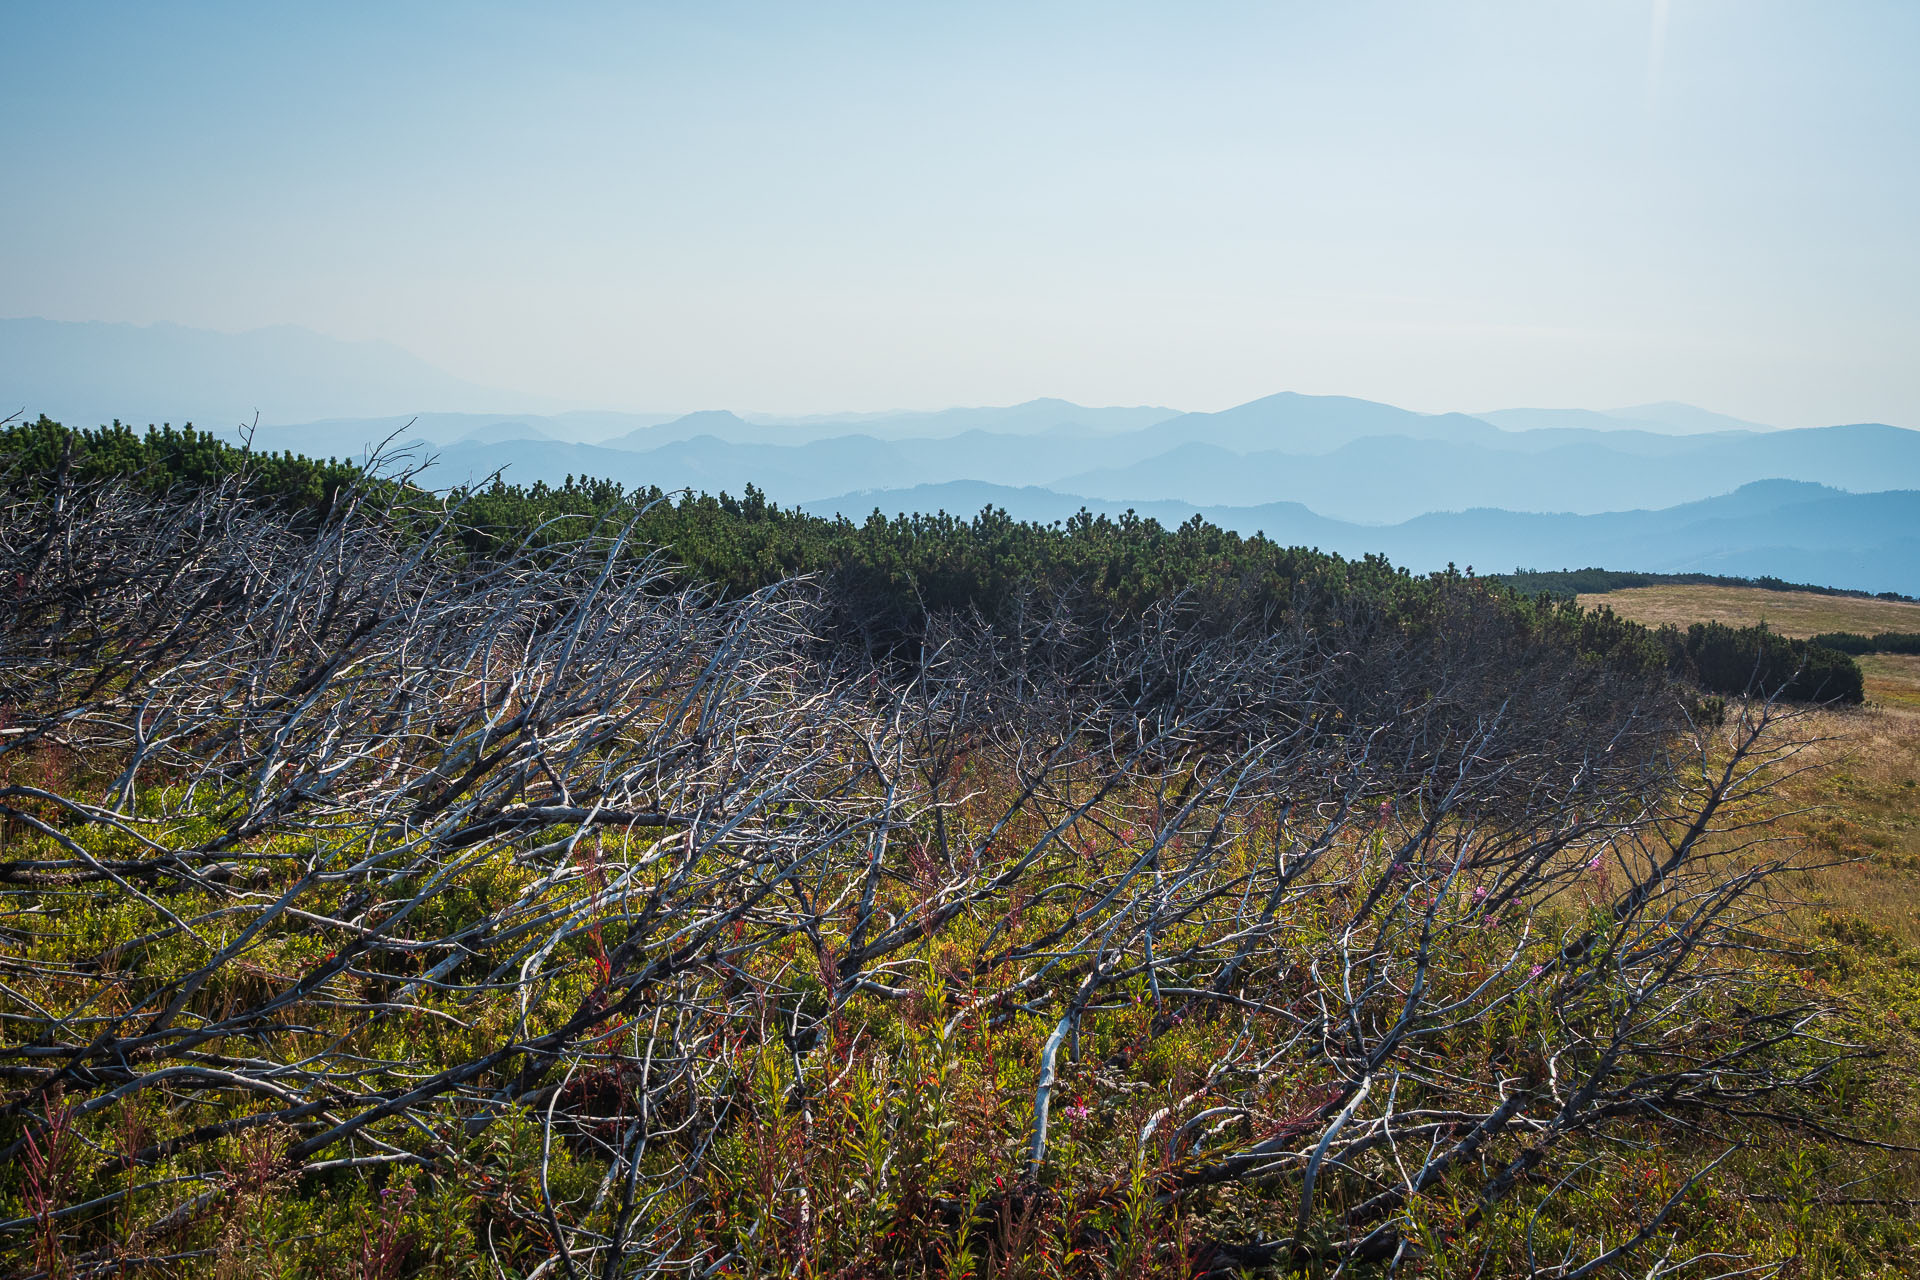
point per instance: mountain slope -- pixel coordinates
(1668, 418)
(1031, 417)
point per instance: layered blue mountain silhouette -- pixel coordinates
(1663, 487)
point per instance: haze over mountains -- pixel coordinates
(1659, 487)
(95, 372)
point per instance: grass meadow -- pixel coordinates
(1792, 613)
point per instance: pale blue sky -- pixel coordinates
(812, 207)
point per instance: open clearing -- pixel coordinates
(1892, 678)
(1791, 613)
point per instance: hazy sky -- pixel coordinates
(811, 207)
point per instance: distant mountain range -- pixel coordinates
(1660, 487)
(1810, 505)
(1668, 416)
(1349, 460)
(1394, 477)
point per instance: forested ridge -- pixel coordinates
(1567, 583)
(399, 883)
(1878, 642)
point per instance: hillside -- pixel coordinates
(1792, 613)
(411, 877)
(1385, 479)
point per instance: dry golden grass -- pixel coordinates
(1862, 804)
(1792, 613)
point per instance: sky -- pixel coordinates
(807, 208)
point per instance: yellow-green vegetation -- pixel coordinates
(1854, 817)
(1791, 613)
(907, 1148)
(1893, 679)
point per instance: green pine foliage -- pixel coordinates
(1725, 659)
(1881, 642)
(162, 458)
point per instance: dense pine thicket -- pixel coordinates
(885, 577)
(1727, 659)
(1879, 642)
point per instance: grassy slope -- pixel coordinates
(1893, 679)
(1792, 613)
(1865, 795)
(1861, 804)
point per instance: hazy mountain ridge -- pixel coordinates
(1679, 418)
(1384, 479)
(1369, 479)
(1306, 425)
(1047, 414)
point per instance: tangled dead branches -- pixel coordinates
(607, 904)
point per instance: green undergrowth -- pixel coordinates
(906, 1159)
